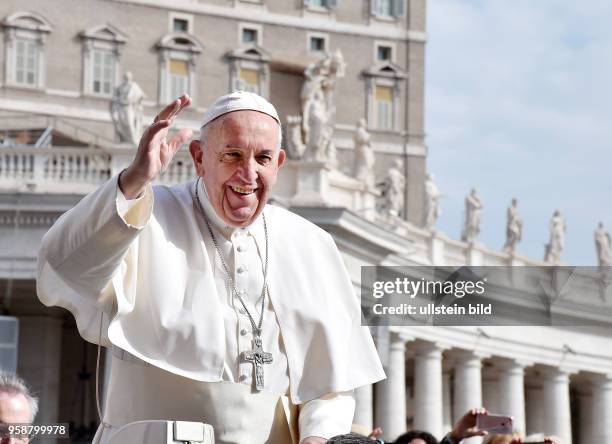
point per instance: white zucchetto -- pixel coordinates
(236, 101)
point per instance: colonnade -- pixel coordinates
(430, 386)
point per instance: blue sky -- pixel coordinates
(519, 103)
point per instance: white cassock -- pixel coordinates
(144, 278)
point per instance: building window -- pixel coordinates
(387, 8)
(321, 4)
(317, 44)
(179, 78)
(103, 72)
(249, 35)
(24, 36)
(249, 79)
(384, 107)
(384, 53)
(180, 25)
(383, 95)
(177, 62)
(249, 70)
(101, 51)
(26, 66)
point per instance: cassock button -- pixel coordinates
(242, 378)
(243, 331)
(242, 311)
(241, 269)
(240, 248)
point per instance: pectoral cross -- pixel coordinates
(258, 357)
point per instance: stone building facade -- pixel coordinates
(59, 63)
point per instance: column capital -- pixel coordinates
(512, 365)
(558, 374)
(428, 349)
(466, 356)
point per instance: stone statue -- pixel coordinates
(363, 168)
(126, 110)
(473, 209)
(514, 227)
(318, 109)
(295, 146)
(554, 248)
(391, 200)
(432, 203)
(603, 244)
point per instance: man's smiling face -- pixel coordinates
(239, 162)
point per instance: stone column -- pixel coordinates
(585, 413)
(490, 391)
(602, 410)
(391, 392)
(512, 391)
(447, 412)
(468, 386)
(428, 388)
(534, 405)
(364, 407)
(556, 400)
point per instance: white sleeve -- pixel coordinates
(140, 216)
(327, 416)
(83, 251)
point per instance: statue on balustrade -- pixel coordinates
(603, 244)
(554, 247)
(473, 210)
(318, 108)
(432, 203)
(514, 227)
(363, 168)
(391, 199)
(126, 110)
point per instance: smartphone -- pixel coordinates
(495, 423)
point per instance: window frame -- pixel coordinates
(385, 74)
(170, 47)
(100, 38)
(180, 16)
(32, 29)
(253, 26)
(251, 57)
(321, 35)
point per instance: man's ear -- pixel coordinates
(281, 157)
(197, 155)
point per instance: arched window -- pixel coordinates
(177, 60)
(24, 37)
(101, 51)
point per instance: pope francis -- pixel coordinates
(218, 308)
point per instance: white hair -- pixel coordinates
(205, 130)
(14, 385)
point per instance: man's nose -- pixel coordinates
(248, 170)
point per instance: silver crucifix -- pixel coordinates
(258, 357)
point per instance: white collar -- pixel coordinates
(219, 224)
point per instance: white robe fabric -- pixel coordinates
(150, 282)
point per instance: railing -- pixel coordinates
(73, 170)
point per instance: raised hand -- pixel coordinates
(155, 151)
